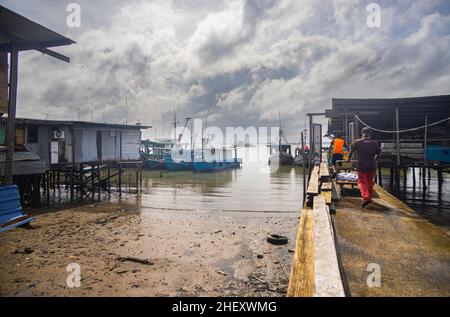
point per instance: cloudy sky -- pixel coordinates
(236, 62)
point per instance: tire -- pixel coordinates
(277, 240)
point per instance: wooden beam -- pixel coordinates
(324, 173)
(313, 186)
(328, 281)
(301, 282)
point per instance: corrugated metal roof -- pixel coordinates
(27, 34)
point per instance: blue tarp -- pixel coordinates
(438, 153)
(11, 214)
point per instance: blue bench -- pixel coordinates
(11, 214)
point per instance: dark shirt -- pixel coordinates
(366, 150)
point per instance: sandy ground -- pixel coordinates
(191, 254)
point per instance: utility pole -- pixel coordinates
(11, 123)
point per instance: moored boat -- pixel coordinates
(214, 160)
(153, 153)
(282, 155)
(178, 165)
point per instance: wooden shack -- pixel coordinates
(62, 142)
(413, 132)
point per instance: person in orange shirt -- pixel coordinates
(337, 152)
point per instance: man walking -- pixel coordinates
(336, 152)
(368, 152)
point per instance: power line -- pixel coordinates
(402, 131)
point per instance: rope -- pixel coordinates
(402, 131)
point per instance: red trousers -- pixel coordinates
(366, 183)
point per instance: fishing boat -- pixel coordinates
(282, 155)
(301, 157)
(214, 160)
(175, 164)
(153, 153)
(180, 158)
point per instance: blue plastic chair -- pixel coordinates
(11, 214)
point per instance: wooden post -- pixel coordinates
(99, 179)
(440, 182)
(424, 180)
(380, 176)
(120, 180)
(108, 184)
(391, 177)
(311, 144)
(47, 186)
(81, 180)
(72, 184)
(405, 178)
(11, 122)
(414, 179)
(93, 180)
(304, 167)
(141, 172)
(137, 179)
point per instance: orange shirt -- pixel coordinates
(338, 146)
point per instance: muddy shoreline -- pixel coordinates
(188, 253)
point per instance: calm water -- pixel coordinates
(434, 208)
(254, 188)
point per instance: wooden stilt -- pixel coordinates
(424, 180)
(47, 186)
(440, 182)
(391, 178)
(93, 180)
(120, 180)
(405, 179)
(99, 181)
(380, 176)
(108, 184)
(72, 184)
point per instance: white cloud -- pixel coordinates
(240, 61)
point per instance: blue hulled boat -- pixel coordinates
(203, 167)
(214, 160)
(177, 166)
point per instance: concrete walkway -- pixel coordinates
(413, 254)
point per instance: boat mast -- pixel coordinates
(174, 125)
(279, 132)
